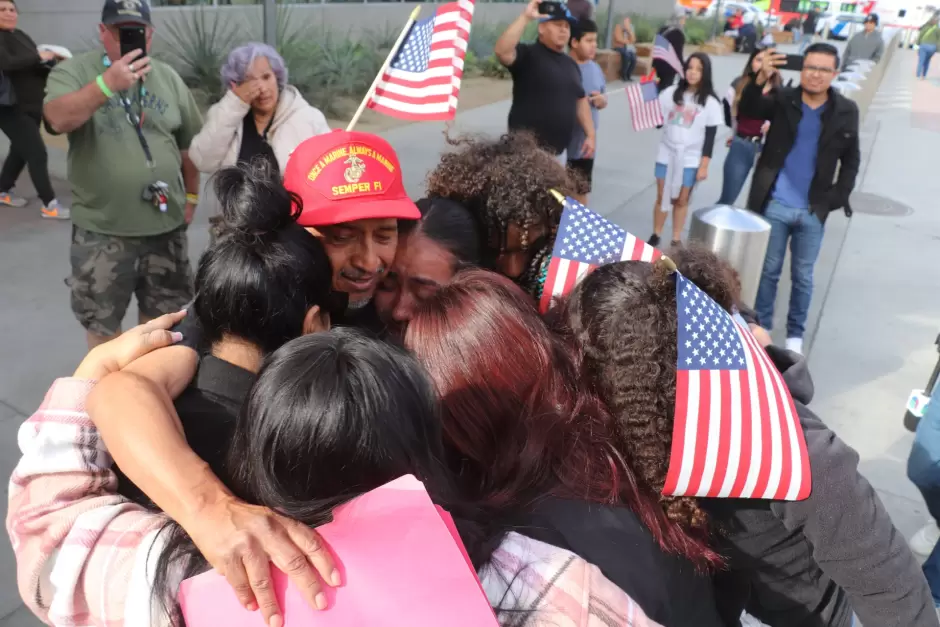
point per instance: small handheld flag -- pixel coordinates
(736, 432)
(585, 241)
(423, 80)
(664, 51)
(645, 109)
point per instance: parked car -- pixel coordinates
(841, 25)
(729, 8)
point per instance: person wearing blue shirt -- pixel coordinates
(806, 170)
(583, 49)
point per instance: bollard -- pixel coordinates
(738, 236)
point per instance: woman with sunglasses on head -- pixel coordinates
(525, 437)
(790, 563)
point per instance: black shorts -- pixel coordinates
(584, 168)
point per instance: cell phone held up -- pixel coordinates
(132, 38)
(793, 62)
(550, 7)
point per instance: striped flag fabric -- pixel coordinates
(645, 110)
(736, 432)
(664, 51)
(423, 80)
(585, 241)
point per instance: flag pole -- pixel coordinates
(382, 70)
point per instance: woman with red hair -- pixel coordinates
(524, 435)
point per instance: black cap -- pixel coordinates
(126, 12)
(872, 19)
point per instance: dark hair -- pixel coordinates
(331, 416)
(705, 88)
(260, 278)
(821, 47)
(582, 28)
(451, 225)
(502, 181)
(520, 422)
(623, 315)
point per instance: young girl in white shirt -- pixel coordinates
(692, 113)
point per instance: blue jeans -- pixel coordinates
(804, 232)
(628, 63)
(923, 469)
(738, 165)
(924, 54)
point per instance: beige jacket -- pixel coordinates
(217, 144)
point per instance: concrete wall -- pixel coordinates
(73, 23)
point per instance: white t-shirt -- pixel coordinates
(684, 130)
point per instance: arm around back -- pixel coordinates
(756, 104)
(852, 536)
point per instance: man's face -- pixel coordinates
(585, 49)
(819, 70)
(361, 253)
(555, 34)
(869, 27)
(111, 38)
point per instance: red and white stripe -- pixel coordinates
(432, 94)
(565, 274)
(645, 115)
(739, 457)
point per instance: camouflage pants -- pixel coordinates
(107, 270)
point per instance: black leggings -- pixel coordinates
(26, 149)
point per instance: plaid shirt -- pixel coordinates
(85, 555)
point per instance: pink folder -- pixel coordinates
(401, 560)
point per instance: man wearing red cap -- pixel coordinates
(353, 196)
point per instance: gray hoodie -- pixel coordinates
(812, 563)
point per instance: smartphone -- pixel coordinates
(133, 38)
(794, 62)
(548, 7)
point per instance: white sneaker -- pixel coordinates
(7, 198)
(925, 540)
(795, 344)
(55, 211)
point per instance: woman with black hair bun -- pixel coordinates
(264, 282)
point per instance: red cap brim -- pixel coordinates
(400, 209)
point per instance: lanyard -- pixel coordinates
(135, 119)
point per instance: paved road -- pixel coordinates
(874, 341)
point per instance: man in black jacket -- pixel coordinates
(806, 170)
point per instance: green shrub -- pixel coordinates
(492, 68)
(698, 31)
(196, 45)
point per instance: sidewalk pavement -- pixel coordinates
(863, 367)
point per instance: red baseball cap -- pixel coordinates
(346, 176)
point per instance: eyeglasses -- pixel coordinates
(815, 69)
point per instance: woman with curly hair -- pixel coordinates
(524, 437)
(808, 563)
(505, 183)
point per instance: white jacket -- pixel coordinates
(217, 144)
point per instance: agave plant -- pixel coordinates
(196, 44)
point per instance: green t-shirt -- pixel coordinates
(107, 167)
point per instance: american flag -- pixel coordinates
(585, 241)
(663, 50)
(645, 109)
(423, 80)
(736, 431)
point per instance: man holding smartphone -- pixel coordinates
(129, 121)
(547, 96)
(806, 170)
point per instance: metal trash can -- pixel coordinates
(738, 236)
